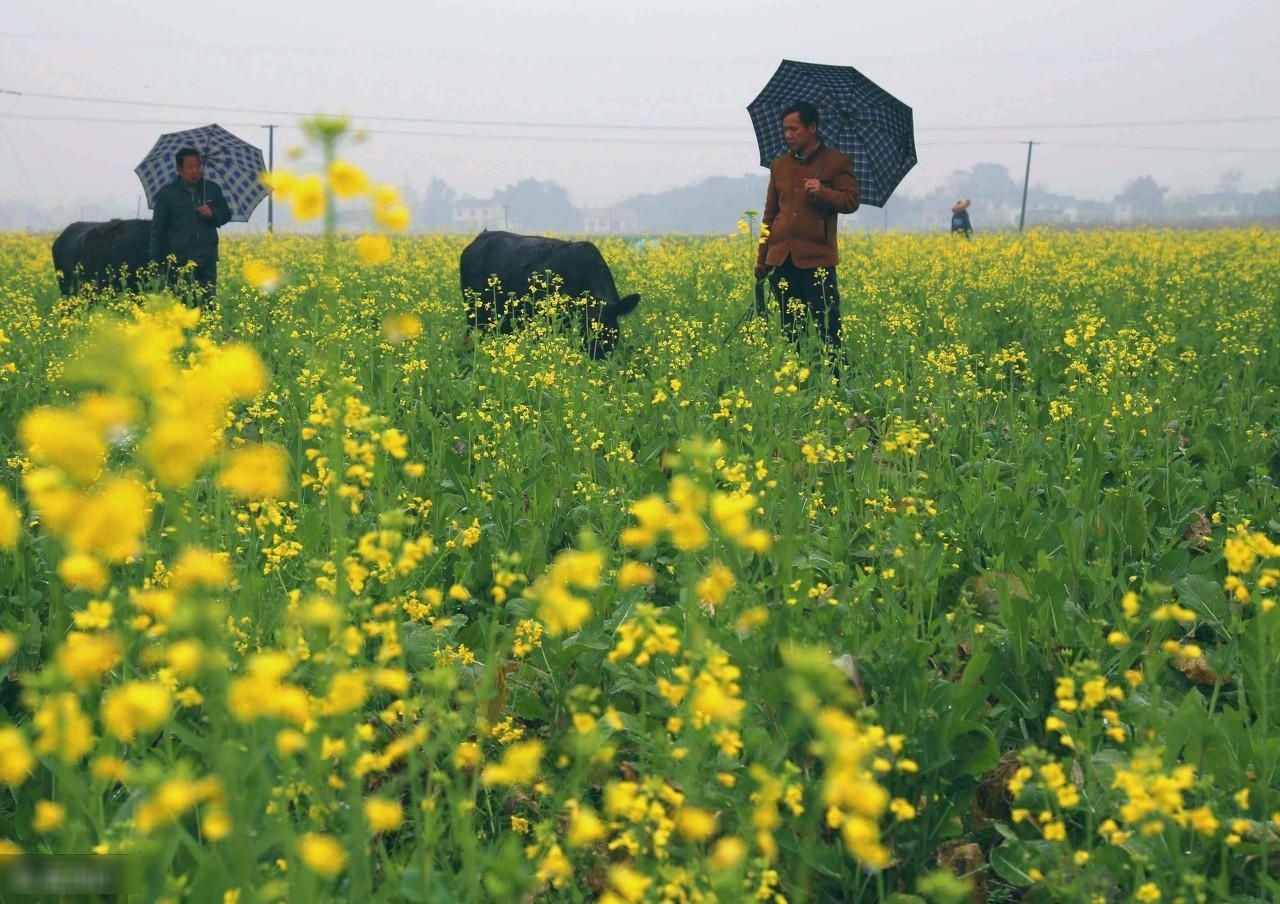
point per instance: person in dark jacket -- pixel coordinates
(808, 187)
(960, 219)
(188, 212)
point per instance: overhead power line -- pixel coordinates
(449, 50)
(1163, 147)
(423, 120)
(1113, 124)
(487, 136)
(117, 120)
(650, 127)
(591, 139)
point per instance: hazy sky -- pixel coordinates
(681, 64)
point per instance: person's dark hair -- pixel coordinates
(183, 154)
(808, 112)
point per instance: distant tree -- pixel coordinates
(435, 210)
(410, 196)
(1229, 182)
(540, 205)
(713, 205)
(987, 182)
(1267, 203)
(1145, 195)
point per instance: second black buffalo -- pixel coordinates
(506, 278)
(102, 253)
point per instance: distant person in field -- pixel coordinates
(960, 219)
(808, 186)
(188, 212)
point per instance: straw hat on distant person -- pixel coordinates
(961, 205)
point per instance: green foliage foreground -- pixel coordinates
(314, 600)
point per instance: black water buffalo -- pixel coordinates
(100, 252)
(506, 276)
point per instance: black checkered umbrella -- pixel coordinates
(856, 115)
(228, 160)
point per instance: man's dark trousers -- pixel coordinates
(819, 298)
(198, 286)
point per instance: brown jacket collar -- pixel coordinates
(817, 149)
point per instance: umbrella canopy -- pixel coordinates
(230, 161)
(856, 116)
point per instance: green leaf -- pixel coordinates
(1186, 728)
(1014, 860)
(1204, 595)
(1172, 565)
(975, 667)
(974, 746)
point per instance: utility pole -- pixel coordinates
(138, 214)
(1026, 180)
(271, 167)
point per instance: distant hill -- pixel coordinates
(712, 205)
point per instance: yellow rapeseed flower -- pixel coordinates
(383, 815)
(467, 756)
(16, 759)
(389, 211)
(688, 531)
(281, 183)
(236, 370)
(112, 520)
(347, 180)
(635, 574)
(289, 741)
(96, 616)
(65, 439)
(348, 691)
(399, 327)
(585, 827)
(728, 853)
(694, 823)
(395, 443)
(307, 195)
(715, 586)
(199, 568)
(560, 609)
(85, 658)
(322, 854)
(261, 275)
(177, 448)
(184, 657)
(554, 867)
(135, 707)
(256, 472)
(1240, 554)
(519, 766)
(216, 824)
(862, 838)
(10, 521)
(63, 729)
(631, 885)
(81, 571)
(48, 816)
(373, 249)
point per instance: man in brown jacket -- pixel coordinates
(808, 187)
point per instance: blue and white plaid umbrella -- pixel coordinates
(856, 115)
(231, 162)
